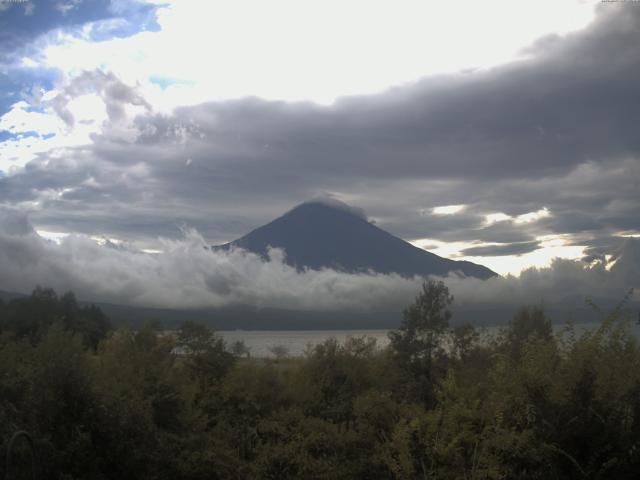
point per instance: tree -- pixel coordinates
(31, 317)
(418, 341)
(205, 352)
(240, 349)
(528, 322)
(463, 340)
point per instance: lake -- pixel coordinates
(260, 342)
(295, 342)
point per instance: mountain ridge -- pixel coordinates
(318, 234)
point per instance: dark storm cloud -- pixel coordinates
(540, 116)
(555, 130)
(501, 250)
(425, 224)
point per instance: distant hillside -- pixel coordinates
(316, 235)
(6, 296)
(248, 318)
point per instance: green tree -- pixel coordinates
(333, 375)
(464, 339)
(205, 353)
(240, 349)
(418, 342)
(527, 323)
(32, 316)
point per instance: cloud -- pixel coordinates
(24, 23)
(500, 250)
(14, 224)
(186, 275)
(113, 92)
(189, 275)
(330, 200)
(28, 29)
(253, 54)
(562, 281)
(91, 103)
(553, 130)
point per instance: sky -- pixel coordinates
(500, 132)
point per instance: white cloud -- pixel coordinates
(16, 152)
(298, 50)
(561, 280)
(20, 119)
(52, 236)
(448, 209)
(542, 257)
(52, 132)
(496, 217)
(528, 217)
(533, 216)
(70, 115)
(551, 247)
(188, 275)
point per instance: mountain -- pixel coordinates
(8, 296)
(319, 234)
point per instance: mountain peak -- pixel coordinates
(330, 202)
(327, 233)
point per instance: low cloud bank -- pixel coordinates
(188, 275)
(563, 282)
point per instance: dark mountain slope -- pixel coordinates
(316, 235)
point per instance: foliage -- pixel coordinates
(147, 404)
(527, 323)
(417, 345)
(30, 317)
(205, 353)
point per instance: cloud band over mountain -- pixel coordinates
(188, 275)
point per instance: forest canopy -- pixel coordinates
(438, 402)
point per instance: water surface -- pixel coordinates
(295, 342)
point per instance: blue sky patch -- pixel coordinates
(130, 18)
(16, 85)
(7, 135)
(17, 29)
(164, 82)
(21, 25)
